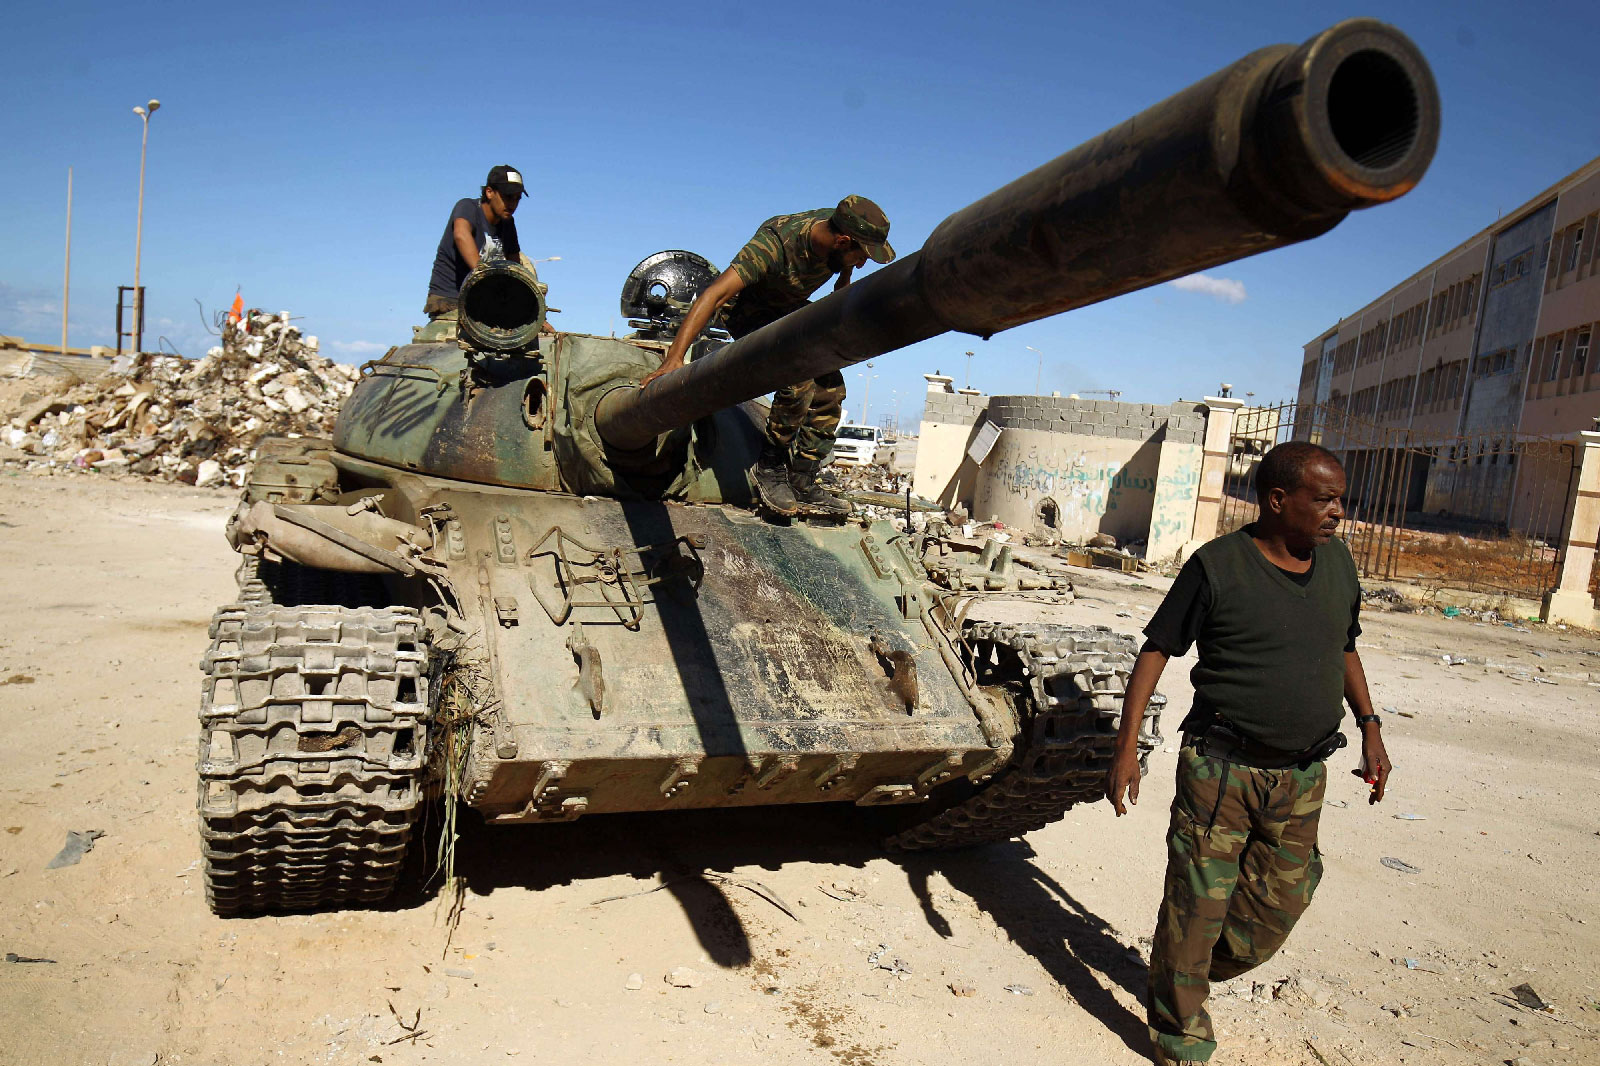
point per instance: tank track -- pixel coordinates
(313, 751)
(1067, 683)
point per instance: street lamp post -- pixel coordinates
(866, 397)
(138, 234)
(968, 385)
(1038, 381)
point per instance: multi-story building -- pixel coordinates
(1490, 344)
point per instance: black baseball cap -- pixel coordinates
(505, 178)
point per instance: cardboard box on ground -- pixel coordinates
(167, 418)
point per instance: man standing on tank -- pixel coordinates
(1273, 608)
(775, 273)
(478, 229)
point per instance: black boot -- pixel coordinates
(813, 497)
(771, 475)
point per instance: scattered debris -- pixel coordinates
(465, 975)
(79, 843)
(168, 418)
(842, 892)
(1526, 996)
(963, 989)
(895, 966)
(12, 956)
(714, 1007)
(1400, 864)
(634, 982)
(1313, 1049)
(1019, 990)
(17, 679)
(1411, 817)
(683, 977)
(748, 884)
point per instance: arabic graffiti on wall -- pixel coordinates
(1177, 487)
(1095, 485)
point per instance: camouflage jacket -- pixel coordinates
(780, 268)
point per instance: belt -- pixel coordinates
(1219, 740)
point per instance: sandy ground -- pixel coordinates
(105, 593)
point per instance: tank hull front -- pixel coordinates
(644, 655)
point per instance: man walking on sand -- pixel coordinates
(1273, 608)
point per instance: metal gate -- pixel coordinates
(1483, 513)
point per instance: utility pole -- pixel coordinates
(1038, 381)
(66, 279)
(968, 385)
(138, 233)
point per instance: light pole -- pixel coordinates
(1038, 381)
(66, 278)
(138, 234)
(968, 385)
(866, 396)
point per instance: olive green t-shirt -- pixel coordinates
(1272, 643)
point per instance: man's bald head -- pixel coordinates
(1285, 466)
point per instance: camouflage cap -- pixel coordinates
(860, 218)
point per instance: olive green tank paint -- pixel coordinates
(526, 422)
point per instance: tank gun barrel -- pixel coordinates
(1271, 150)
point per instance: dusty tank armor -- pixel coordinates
(515, 576)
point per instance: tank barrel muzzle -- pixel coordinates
(502, 308)
(1274, 149)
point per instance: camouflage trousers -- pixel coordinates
(1242, 864)
(805, 419)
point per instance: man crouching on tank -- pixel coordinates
(775, 273)
(1273, 608)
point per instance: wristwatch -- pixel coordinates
(1363, 719)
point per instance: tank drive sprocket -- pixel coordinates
(1067, 684)
(313, 751)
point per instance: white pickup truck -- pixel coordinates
(857, 445)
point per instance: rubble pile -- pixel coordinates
(195, 421)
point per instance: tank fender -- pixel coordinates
(329, 537)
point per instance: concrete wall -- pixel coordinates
(1068, 468)
(943, 472)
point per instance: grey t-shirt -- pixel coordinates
(449, 269)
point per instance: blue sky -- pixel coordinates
(310, 155)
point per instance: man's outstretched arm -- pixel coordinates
(702, 311)
(1374, 759)
(1124, 775)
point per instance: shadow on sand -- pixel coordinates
(1076, 947)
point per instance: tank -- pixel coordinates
(517, 580)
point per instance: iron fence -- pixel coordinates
(1482, 513)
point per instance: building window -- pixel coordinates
(1580, 355)
(1555, 360)
(1577, 247)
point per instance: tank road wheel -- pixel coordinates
(313, 746)
(1066, 683)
